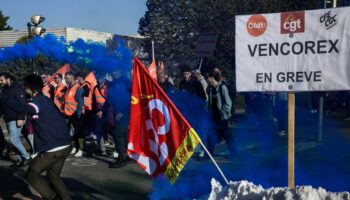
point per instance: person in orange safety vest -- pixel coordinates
(73, 109)
(88, 83)
(59, 92)
(101, 115)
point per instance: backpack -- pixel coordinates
(220, 90)
(224, 82)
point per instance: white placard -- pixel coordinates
(293, 51)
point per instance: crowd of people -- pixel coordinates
(58, 118)
(78, 115)
(96, 117)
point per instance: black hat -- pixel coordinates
(34, 82)
(185, 68)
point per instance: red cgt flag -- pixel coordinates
(153, 69)
(160, 139)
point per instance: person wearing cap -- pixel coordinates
(189, 84)
(51, 139)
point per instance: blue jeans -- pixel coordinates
(15, 133)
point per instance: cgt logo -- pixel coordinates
(292, 22)
(256, 25)
(157, 146)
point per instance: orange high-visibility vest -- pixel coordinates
(90, 81)
(100, 96)
(46, 90)
(88, 99)
(58, 98)
(70, 104)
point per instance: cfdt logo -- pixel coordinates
(256, 25)
(292, 22)
(328, 19)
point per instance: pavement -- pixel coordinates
(261, 157)
(85, 178)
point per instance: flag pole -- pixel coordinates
(200, 64)
(215, 163)
(153, 50)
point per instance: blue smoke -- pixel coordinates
(262, 154)
(193, 109)
(95, 56)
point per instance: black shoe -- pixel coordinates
(129, 160)
(120, 163)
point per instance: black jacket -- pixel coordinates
(193, 87)
(16, 92)
(167, 86)
(49, 125)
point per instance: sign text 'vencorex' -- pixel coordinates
(293, 51)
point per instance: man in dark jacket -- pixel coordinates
(51, 139)
(14, 120)
(119, 98)
(191, 85)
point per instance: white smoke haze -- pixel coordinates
(245, 190)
